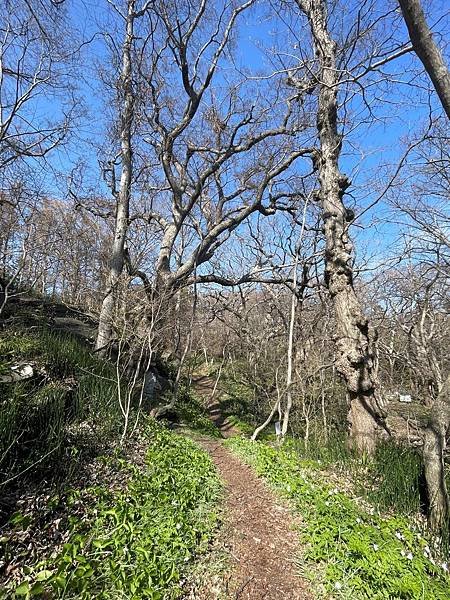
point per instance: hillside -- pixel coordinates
(178, 513)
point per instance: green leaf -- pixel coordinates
(23, 589)
(44, 575)
(37, 588)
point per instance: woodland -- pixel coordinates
(224, 298)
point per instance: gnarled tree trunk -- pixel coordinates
(433, 458)
(356, 360)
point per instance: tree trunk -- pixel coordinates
(356, 361)
(287, 411)
(427, 50)
(105, 327)
(433, 458)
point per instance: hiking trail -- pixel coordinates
(259, 535)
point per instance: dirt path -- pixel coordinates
(207, 389)
(259, 536)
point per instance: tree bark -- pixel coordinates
(433, 458)
(427, 50)
(105, 327)
(356, 360)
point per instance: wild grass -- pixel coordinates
(326, 451)
(392, 479)
(39, 417)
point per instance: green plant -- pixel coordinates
(394, 478)
(332, 451)
(191, 411)
(363, 555)
(39, 416)
(139, 542)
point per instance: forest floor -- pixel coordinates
(259, 535)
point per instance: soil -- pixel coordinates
(259, 534)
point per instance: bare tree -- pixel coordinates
(33, 65)
(218, 164)
(37, 102)
(355, 338)
(122, 193)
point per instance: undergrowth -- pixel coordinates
(391, 479)
(362, 555)
(137, 543)
(39, 416)
(395, 479)
(191, 410)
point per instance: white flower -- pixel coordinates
(409, 556)
(375, 547)
(337, 585)
(426, 550)
(402, 552)
(327, 503)
(445, 566)
(399, 535)
(358, 520)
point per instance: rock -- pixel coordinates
(18, 373)
(155, 384)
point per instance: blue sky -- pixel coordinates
(371, 150)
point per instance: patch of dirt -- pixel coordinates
(258, 537)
